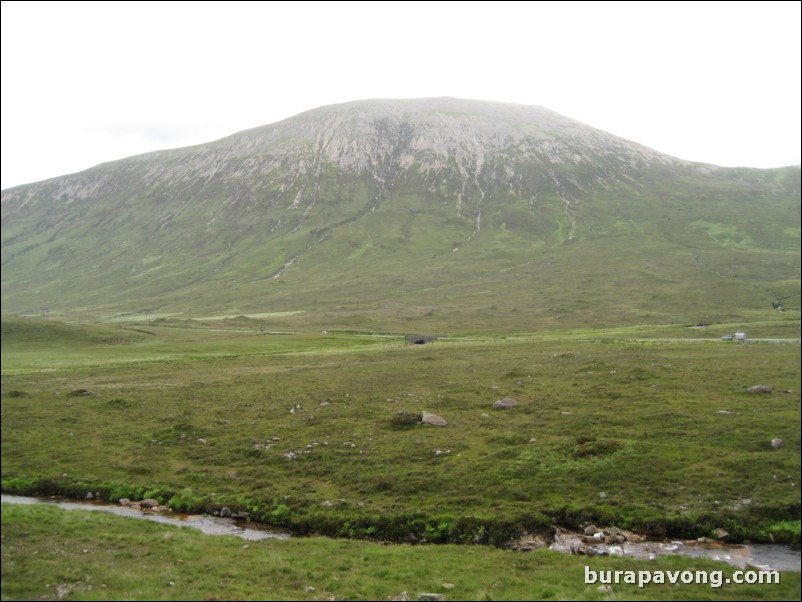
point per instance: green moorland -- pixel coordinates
(48, 553)
(319, 432)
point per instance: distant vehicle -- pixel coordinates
(728, 337)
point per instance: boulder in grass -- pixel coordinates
(433, 419)
(505, 404)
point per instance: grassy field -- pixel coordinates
(318, 432)
(49, 553)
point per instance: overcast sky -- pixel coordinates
(89, 82)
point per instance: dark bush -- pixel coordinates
(405, 420)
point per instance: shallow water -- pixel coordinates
(761, 556)
(210, 525)
(774, 556)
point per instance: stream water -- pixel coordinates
(758, 556)
(211, 525)
(764, 556)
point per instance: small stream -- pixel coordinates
(211, 525)
(759, 556)
(756, 556)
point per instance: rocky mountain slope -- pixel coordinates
(380, 213)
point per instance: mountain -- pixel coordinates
(392, 214)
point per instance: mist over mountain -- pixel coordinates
(393, 214)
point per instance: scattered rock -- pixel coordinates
(124, 501)
(89, 496)
(721, 534)
(568, 543)
(431, 597)
(603, 495)
(591, 530)
(448, 585)
(202, 441)
(724, 412)
(605, 589)
(776, 443)
(761, 389)
(148, 503)
(225, 512)
(505, 404)
(402, 597)
(529, 543)
(62, 590)
(433, 419)
(309, 589)
(633, 537)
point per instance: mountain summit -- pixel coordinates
(441, 212)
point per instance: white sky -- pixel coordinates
(89, 82)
